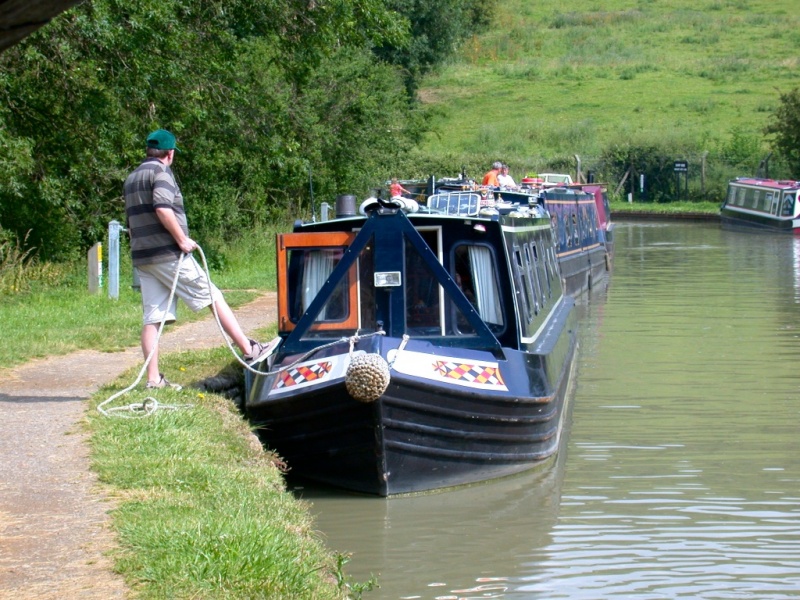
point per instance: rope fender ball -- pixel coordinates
(367, 377)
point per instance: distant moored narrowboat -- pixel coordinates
(762, 204)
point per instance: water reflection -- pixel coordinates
(796, 264)
(465, 543)
(681, 475)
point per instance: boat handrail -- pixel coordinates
(455, 203)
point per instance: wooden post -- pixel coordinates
(703, 175)
(622, 183)
(95, 258)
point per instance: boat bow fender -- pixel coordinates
(405, 204)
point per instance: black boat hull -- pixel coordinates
(423, 433)
(584, 269)
(739, 221)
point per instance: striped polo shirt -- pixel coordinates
(150, 186)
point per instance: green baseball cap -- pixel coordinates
(162, 140)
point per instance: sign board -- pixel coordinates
(681, 166)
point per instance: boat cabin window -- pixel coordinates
(740, 194)
(788, 204)
(731, 195)
(772, 202)
(766, 203)
(589, 215)
(523, 284)
(539, 274)
(535, 284)
(423, 292)
(306, 262)
(576, 232)
(309, 269)
(552, 274)
(756, 195)
(475, 274)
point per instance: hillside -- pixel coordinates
(556, 78)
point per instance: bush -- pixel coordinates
(20, 268)
(784, 130)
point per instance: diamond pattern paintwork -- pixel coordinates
(473, 373)
(303, 374)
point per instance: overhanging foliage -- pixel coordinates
(263, 95)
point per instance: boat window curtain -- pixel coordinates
(319, 265)
(487, 295)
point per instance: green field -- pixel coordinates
(555, 79)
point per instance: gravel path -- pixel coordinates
(54, 534)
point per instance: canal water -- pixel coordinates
(679, 476)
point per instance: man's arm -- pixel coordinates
(170, 223)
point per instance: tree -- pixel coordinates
(785, 130)
(437, 28)
(235, 80)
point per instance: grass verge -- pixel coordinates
(64, 319)
(665, 208)
(57, 315)
(201, 510)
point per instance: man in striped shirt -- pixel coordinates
(159, 237)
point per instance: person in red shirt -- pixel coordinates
(491, 177)
(395, 189)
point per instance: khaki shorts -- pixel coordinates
(193, 287)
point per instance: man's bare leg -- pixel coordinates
(149, 337)
(230, 325)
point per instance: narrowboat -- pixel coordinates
(605, 225)
(580, 240)
(762, 204)
(419, 347)
(581, 220)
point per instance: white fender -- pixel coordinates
(366, 204)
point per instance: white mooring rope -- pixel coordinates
(150, 405)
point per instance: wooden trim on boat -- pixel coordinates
(292, 241)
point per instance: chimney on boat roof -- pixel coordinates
(345, 206)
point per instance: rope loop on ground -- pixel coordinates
(147, 407)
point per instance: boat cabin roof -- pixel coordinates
(782, 184)
(550, 179)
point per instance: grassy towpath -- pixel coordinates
(54, 522)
